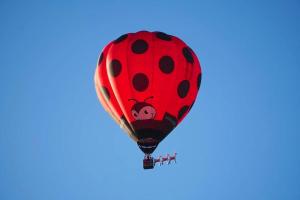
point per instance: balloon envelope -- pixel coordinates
(147, 82)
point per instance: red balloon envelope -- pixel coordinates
(147, 82)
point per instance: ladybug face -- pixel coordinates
(142, 110)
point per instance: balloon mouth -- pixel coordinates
(147, 145)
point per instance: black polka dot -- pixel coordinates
(188, 55)
(183, 88)
(121, 38)
(140, 82)
(199, 80)
(163, 36)
(124, 122)
(101, 58)
(139, 46)
(105, 93)
(166, 64)
(115, 68)
(170, 119)
(182, 111)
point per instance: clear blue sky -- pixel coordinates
(240, 141)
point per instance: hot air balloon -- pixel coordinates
(147, 82)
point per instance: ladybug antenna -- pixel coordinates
(148, 98)
(133, 100)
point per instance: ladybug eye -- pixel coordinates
(134, 114)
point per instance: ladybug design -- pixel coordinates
(143, 110)
(156, 67)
